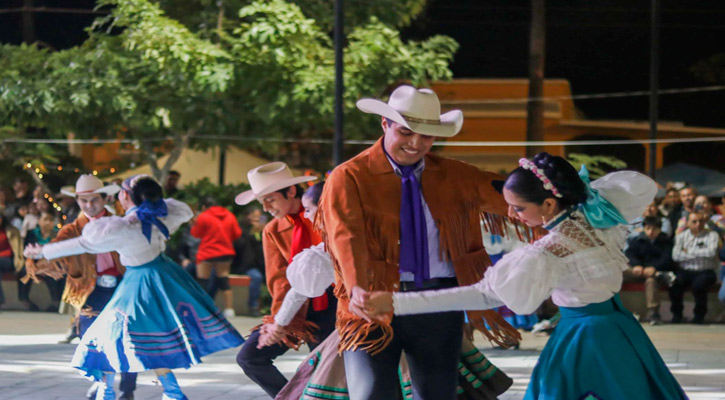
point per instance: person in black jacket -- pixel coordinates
(249, 258)
(650, 256)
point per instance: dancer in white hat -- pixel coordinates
(279, 192)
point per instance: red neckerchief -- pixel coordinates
(302, 239)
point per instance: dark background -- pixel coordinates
(600, 46)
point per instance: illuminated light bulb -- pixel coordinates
(60, 168)
(95, 172)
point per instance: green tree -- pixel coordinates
(266, 72)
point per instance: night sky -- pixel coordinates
(598, 45)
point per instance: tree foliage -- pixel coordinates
(267, 70)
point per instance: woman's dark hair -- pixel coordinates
(314, 192)
(3, 221)
(562, 175)
(146, 189)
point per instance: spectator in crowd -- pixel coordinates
(671, 203)
(30, 221)
(11, 259)
(695, 251)
(687, 196)
(651, 211)
(650, 258)
(68, 206)
(172, 182)
(217, 228)
(45, 231)
(720, 209)
(249, 258)
(715, 222)
(22, 196)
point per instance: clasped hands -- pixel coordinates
(371, 306)
(34, 251)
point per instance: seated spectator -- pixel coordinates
(695, 251)
(715, 222)
(43, 234)
(720, 209)
(11, 260)
(650, 256)
(651, 211)
(68, 206)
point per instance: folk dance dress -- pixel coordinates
(158, 317)
(598, 350)
(322, 373)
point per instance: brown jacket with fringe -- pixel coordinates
(359, 217)
(80, 269)
(277, 244)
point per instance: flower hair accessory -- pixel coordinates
(529, 165)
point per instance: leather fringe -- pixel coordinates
(299, 331)
(355, 334)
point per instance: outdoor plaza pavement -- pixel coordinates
(34, 367)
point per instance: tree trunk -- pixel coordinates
(180, 141)
(537, 57)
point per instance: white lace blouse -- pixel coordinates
(123, 235)
(575, 263)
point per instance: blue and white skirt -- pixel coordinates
(158, 317)
(600, 351)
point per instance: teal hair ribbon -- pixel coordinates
(598, 211)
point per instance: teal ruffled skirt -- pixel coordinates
(600, 351)
(158, 317)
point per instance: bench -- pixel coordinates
(633, 297)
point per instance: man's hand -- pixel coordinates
(379, 306)
(33, 251)
(271, 334)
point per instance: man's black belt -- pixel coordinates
(435, 283)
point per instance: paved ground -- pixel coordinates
(34, 367)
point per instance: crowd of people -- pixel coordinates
(678, 245)
(373, 269)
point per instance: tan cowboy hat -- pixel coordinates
(89, 184)
(416, 109)
(269, 178)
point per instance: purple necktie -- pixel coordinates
(413, 230)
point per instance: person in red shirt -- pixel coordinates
(217, 228)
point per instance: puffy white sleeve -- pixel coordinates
(100, 236)
(179, 214)
(309, 274)
(630, 192)
(292, 303)
(520, 280)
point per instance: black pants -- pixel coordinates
(7, 265)
(432, 345)
(258, 364)
(97, 300)
(54, 287)
(701, 282)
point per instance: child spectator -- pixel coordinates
(43, 233)
(650, 258)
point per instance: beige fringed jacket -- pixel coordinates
(359, 218)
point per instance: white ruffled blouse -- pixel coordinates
(122, 235)
(575, 263)
(310, 273)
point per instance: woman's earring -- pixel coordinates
(543, 220)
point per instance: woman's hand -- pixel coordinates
(33, 251)
(271, 334)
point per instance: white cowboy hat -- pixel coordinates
(269, 178)
(89, 184)
(416, 109)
